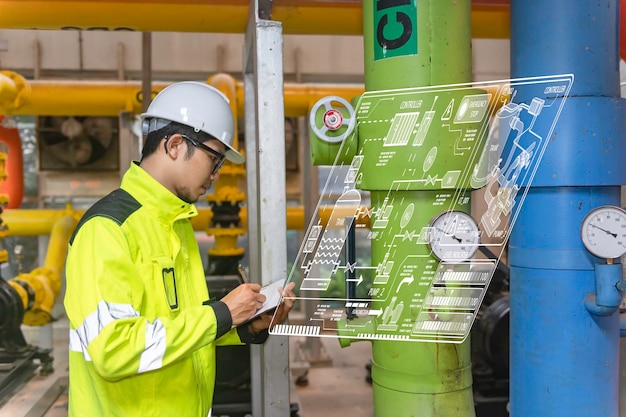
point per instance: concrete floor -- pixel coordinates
(338, 389)
(327, 381)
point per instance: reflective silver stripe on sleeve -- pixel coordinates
(77, 346)
(94, 323)
(152, 356)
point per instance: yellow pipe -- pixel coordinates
(14, 90)
(295, 217)
(84, 98)
(226, 188)
(228, 86)
(310, 17)
(491, 21)
(39, 222)
(108, 98)
(202, 220)
(57, 246)
(8, 91)
(300, 98)
(34, 222)
(39, 288)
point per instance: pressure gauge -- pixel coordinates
(603, 232)
(454, 236)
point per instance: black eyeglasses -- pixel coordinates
(220, 157)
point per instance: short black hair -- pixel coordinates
(154, 138)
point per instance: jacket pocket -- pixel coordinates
(165, 281)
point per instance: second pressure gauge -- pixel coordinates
(603, 232)
(454, 236)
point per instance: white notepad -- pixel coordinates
(272, 297)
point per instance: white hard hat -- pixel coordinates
(197, 105)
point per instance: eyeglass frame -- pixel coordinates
(221, 158)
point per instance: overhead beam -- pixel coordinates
(490, 19)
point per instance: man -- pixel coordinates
(142, 329)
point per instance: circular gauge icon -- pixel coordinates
(603, 232)
(454, 236)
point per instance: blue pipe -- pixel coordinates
(607, 298)
(564, 359)
(608, 276)
(622, 324)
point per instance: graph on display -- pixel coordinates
(415, 155)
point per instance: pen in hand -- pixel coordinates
(242, 273)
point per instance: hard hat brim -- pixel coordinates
(233, 156)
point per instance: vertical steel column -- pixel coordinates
(146, 70)
(267, 229)
(564, 360)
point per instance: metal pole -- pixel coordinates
(267, 231)
(146, 70)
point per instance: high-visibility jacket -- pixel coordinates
(142, 329)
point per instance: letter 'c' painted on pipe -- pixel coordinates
(395, 22)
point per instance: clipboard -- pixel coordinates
(271, 293)
(272, 298)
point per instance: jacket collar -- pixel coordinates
(152, 194)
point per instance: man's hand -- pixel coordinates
(264, 321)
(243, 302)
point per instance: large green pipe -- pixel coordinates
(438, 50)
(413, 43)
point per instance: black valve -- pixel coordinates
(11, 316)
(225, 214)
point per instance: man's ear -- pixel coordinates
(172, 145)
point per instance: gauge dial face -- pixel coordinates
(603, 232)
(454, 236)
